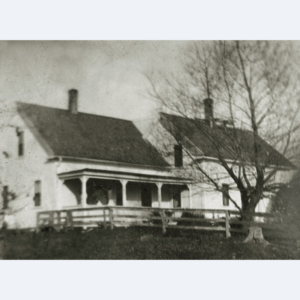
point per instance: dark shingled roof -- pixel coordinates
(90, 136)
(196, 136)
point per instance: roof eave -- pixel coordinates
(215, 159)
(106, 162)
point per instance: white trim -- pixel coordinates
(108, 162)
(112, 176)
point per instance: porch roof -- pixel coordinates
(118, 175)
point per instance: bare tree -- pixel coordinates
(256, 88)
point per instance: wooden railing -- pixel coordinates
(179, 218)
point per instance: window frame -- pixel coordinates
(21, 143)
(225, 193)
(178, 157)
(37, 193)
(5, 196)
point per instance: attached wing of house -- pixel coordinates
(207, 141)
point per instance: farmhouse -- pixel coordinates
(53, 159)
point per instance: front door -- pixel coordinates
(146, 195)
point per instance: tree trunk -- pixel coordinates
(248, 214)
(255, 236)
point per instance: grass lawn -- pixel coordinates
(122, 243)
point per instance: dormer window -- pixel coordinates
(21, 143)
(178, 156)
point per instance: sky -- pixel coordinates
(108, 74)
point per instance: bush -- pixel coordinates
(286, 204)
(193, 215)
(168, 214)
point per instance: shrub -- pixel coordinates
(155, 213)
(193, 215)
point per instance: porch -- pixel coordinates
(101, 188)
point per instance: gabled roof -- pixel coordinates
(90, 136)
(198, 133)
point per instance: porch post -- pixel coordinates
(59, 194)
(124, 195)
(190, 195)
(84, 179)
(159, 185)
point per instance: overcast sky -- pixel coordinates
(107, 74)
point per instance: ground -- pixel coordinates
(142, 243)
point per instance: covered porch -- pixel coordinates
(86, 188)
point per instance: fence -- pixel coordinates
(179, 218)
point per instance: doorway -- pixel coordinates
(177, 198)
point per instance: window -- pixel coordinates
(37, 193)
(5, 197)
(178, 155)
(225, 192)
(21, 143)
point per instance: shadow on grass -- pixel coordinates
(122, 243)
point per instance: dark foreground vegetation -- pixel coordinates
(144, 243)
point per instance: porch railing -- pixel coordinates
(226, 221)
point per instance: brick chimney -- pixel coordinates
(73, 101)
(209, 109)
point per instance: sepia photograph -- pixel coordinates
(162, 155)
(149, 158)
